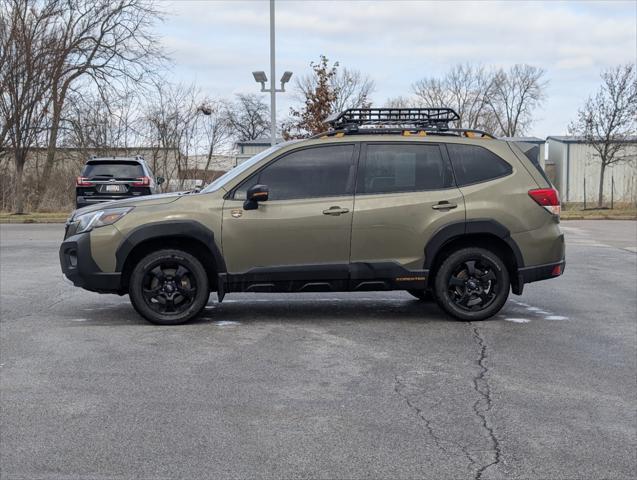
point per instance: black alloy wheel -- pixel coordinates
(169, 287)
(472, 284)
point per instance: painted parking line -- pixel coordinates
(535, 313)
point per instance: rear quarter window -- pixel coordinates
(113, 170)
(474, 164)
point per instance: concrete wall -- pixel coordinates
(578, 162)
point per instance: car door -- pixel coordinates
(405, 192)
(305, 226)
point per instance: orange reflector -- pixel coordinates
(422, 133)
(406, 134)
(340, 134)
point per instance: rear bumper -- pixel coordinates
(541, 272)
(80, 268)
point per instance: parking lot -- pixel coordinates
(374, 385)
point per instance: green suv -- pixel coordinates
(386, 199)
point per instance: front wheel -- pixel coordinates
(169, 287)
(472, 284)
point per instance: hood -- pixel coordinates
(146, 200)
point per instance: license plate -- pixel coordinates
(112, 188)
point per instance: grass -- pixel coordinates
(599, 214)
(576, 211)
(35, 217)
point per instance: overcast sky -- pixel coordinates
(217, 44)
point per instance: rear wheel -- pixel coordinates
(169, 287)
(423, 295)
(472, 284)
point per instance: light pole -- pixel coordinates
(261, 77)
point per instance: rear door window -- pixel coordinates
(393, 168)
(474, 164)
(95, 170)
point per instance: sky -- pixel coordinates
(217, 44)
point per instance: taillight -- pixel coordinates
(548, 198)
(83, 182)
(142, 182)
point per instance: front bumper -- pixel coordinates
(80, 268)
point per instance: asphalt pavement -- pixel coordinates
(366, 385)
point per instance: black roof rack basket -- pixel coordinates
(426, 118)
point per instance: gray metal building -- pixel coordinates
(577, 168)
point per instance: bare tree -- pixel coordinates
(514, 95)
(6, 39)
(171, 117)
(498, 101)
(350, 88)
(247, 117)
(101, 120)
(25, 80)
(400, 102)
(464, 88)
(607, 119)
(214, 131)
(99, 41)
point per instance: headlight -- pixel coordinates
(92, 220)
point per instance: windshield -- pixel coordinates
(239, 169)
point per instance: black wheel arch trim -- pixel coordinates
(171, 228)
(455, 230)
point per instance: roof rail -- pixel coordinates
(432, 118)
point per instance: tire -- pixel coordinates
(472, 284)
(169, 287)
(422, 295)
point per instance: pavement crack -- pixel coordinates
(399, 388)
(484, 403)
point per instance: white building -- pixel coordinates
(249, 148)
(577, 168)
(216, 162)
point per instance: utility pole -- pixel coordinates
(272, 77)
(261, 77)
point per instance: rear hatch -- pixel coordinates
(112, 179)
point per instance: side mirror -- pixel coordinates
(160, 180)
(254, 195)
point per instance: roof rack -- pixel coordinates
(398, 121)
(437, 118)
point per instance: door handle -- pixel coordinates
(444, 205)
(335, 211)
